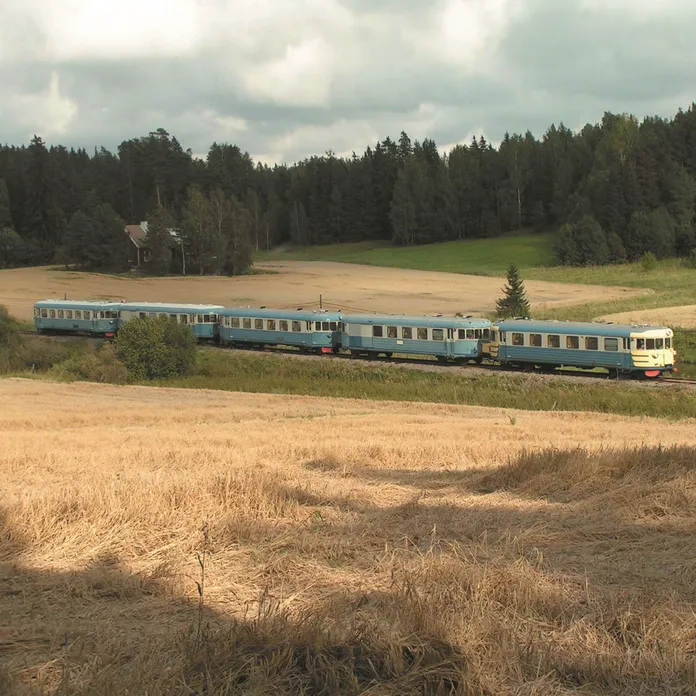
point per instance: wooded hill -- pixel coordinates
(616, 190)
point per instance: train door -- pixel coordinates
(449, 343)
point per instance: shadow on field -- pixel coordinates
(557, 572)
(104, 630)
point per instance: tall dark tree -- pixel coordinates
(159, 239)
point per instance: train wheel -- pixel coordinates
(388, 355)
(441, 359)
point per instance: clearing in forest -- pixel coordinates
(394, 548)
(299, 283)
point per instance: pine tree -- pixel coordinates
(514, 302)
(5, 214)
(159, 240)
(77, 239)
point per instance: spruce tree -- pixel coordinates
(159, 240)
(514, 302)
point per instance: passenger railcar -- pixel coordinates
(77, 316)
(447, 338)
(620, 348)
(203, 319)
(311, 330)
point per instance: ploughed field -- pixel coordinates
(340, 546)
(299, 283)
(683, 316)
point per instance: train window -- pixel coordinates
(296, 326)
(650, 344)
(470, 334)
(44, 313)
(68, 313)
(391, 331)
(477, 333)
(258, 323)
(573, 342)
(87, 314)
(659, 343)
(37, 312)
(173, 317)
(377, 331)
(591, 343)
(461, 334)
(333, 325)
(611, 344)
(183, 319)
(626, 343)
(246, 323)
(503, 337)
(234, 322)
(668, 343)
(494, 336)
(283, 325)
(61, 314)
(640, 344)
(152, 315)
(535, 340)
(406, 332)
(324, 325)
(317, 325)
(422, 334)
(309, 325)
(486, 334)
(78, 314)
(553, 341)
(438, 335)
(271, 324)
(52, 313)
(517, 339)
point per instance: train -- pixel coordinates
(522, 343)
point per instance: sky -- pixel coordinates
(287, 79)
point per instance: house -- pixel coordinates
(138, 235)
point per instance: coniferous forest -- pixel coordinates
(613, 192)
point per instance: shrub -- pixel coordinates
(96, 365)
(156, 348)
(9, 334)
(648, 262)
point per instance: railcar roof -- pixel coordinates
(581, 328)
(167, 307)
(270, 313)
(423, 320)
(72, 304)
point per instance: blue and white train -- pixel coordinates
(522, 343)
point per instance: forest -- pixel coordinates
(614, 191)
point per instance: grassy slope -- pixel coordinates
(490, 256)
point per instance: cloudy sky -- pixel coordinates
(289, 78)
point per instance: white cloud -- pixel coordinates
(47, 112)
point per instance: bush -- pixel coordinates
(96, 365)
(156, 348)
(9, 334)
(648, 262)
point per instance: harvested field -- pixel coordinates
(683, 317)
(348, 547)
(294, 283)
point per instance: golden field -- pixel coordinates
(683, 316)
(349, 546)
(294, 283)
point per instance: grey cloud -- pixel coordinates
(556, 62)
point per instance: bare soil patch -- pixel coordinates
(299, 283)
(350, 547)
(683, 316)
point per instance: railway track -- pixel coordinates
(415, 363)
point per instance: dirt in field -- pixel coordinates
(683, 316)
(340, 546)
(299, 283)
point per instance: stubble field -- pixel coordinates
(348, 546)
(293, 283)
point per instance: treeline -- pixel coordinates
(617, 190)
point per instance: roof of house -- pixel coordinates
(138, 235)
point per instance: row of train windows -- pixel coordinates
(590, 342)
(75, 314)
(437, 334)
(183, 318)
(280, 324)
